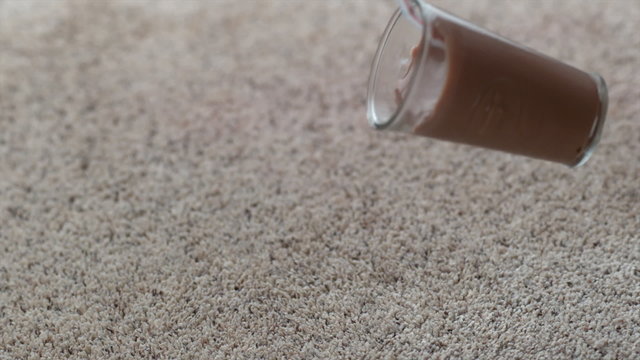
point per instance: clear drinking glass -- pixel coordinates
(439, 76)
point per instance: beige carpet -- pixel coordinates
(197, 179)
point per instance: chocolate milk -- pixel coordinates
(496, 94)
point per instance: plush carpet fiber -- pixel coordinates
(197, 179)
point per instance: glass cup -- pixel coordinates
(439, 76)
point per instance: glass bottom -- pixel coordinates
(598, 124)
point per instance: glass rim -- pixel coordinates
(374, 119)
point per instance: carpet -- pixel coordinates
(197, 179)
